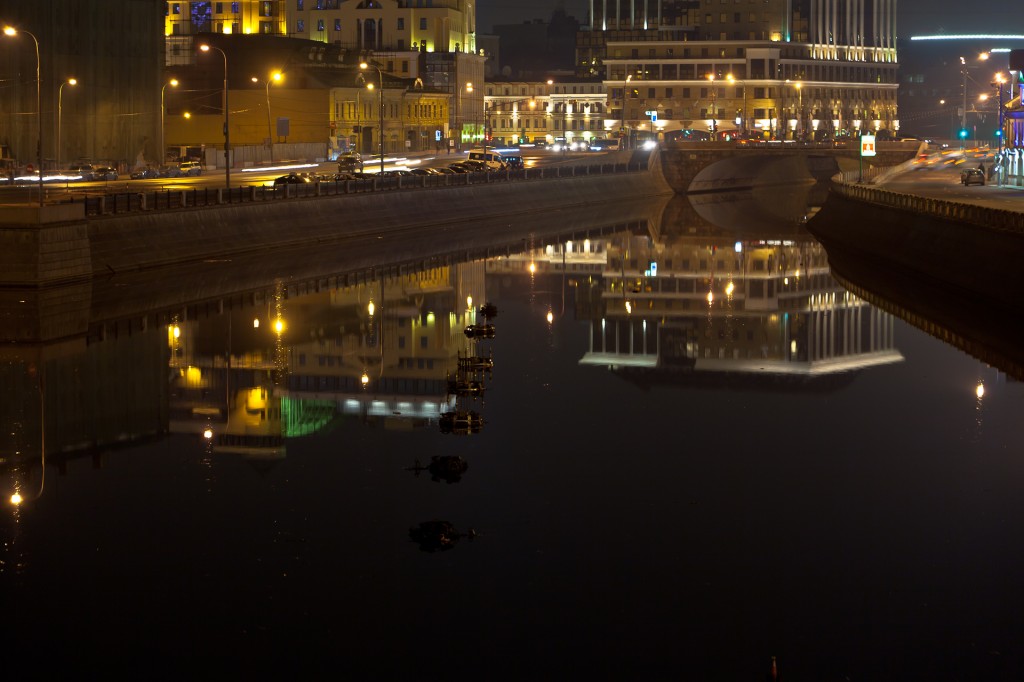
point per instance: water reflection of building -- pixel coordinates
(383, 349)
(377, 348)
(707, 304)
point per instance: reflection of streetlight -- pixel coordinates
(274, 77)
(380, 81)
(60, 93)
(163, 115)
(227, 121)
(11, 31)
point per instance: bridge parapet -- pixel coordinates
(687, 166)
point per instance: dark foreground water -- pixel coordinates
(663, 485)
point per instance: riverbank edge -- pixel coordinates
(962, 248)
(42, 246)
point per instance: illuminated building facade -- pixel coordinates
(362, 25)
(781, 69)
(435, 44)
(569, 110)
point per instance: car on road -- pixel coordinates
(350, 161)
(293, 179)
(104, 173)
(972, 176)
(83, 170)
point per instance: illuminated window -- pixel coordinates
(300, 26)
(235, 7)
(319, 24)
(176, 8)
(299, 5)
(337, 24)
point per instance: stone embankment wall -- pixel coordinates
(57, 244)
(966, 249)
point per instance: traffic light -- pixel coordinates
(963, 133)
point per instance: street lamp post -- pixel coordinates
(625, 84)
(468, 89)
(11, 31)
(380, 82)
(714, 107)
(999, 154)
(60, 93)
(227, 116)
(799, 132)
(743, 112)
(274, 77)
(163, 116)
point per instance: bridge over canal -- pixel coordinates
(692, 167)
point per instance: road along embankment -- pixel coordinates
(57, 244)
(968, 250)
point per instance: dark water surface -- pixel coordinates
(670, 489)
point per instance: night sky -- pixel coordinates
(915, 16)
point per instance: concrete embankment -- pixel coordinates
(53, 244)
(965, 249)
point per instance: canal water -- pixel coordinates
(678, 450)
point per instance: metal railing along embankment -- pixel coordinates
(114, 203)
(846, 185)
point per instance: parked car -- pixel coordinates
(972, 176)
(147, 172)
(460, 167)
(190, 168)
(105, 173)
(293, 179)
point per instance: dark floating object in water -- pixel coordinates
(437, 536)
(489, 310)
(447, 467)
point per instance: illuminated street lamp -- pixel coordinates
(714, 107)
(800, 110)
(469, 91)
(227, 120)
(11, 31)
(163, 114)
(743, 112)
(274, 78)
(380, 82)
(60, 93)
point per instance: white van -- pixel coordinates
(493, 159)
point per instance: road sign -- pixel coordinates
(867, 145)
(654, 116)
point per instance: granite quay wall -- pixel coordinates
(967, 250)
(982, 216)
(145, 238)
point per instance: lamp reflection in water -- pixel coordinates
(19, 492)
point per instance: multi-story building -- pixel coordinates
(432, 41)
(796, 69)
(572, 110)
(111, 48)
